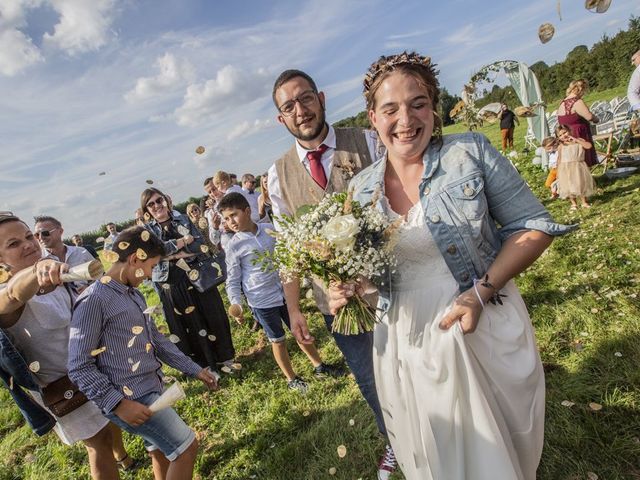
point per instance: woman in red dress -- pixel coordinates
(575, 114)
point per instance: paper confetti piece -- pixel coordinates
(200, 150)
(189, 310)
(10, 383)
(183, 265)
(182, 230)
(139, 273)
(352, 422)
(212, 338)
(147, 347)
(166, 286)
(202, 223)
(202, 333)
(131, 342)
(176, 311)
(618, 354)
(123, 245)
(135, 366)
(29, 333)
(236, 366)
(127, 391)
(110, 256)
(332, 471)
(194, 275)
(137, 329)
(34, 367)
(4, 276)
(97, 351)
(105, 279)
(567, 403)
(141, 254)
(204, 248)
(145, 235)
(226, 369)
(150, 182)
(595, 406)
(306, 413)
(174, 338)
(342, 451)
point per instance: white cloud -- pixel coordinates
(462, 36)
(83, 25)
(247, 128)
(231, 87)
(173, 73)
(17, 52)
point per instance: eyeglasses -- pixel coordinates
(306, 99)
(44, 233)
(157, 201)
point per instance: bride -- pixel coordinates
(457, 371)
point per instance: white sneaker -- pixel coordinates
(388, 464)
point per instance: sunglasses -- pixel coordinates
(44, 233)
(157, 201)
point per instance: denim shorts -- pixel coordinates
(271, 320)
(164, 431)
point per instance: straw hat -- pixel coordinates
(523, 111)
(546, 31)
(597, 6)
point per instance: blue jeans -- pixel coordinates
(164, 431)
(272, 319)
(358, 352)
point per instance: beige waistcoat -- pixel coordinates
(298, 187)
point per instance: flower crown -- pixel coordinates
(385, 64)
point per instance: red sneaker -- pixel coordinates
(388, 463)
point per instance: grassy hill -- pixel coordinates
(582, 297)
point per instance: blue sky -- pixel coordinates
(132, 87)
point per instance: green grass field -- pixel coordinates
(582, 297)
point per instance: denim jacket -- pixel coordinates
(160, 272)
(473, 199)
(16, 375)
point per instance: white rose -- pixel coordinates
(341, 231)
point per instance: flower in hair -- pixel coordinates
(385, 64)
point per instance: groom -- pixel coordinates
(322, 160)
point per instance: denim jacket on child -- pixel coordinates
(473, 199)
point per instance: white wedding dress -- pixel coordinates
(456, 407)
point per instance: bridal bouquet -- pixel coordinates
(338, 240)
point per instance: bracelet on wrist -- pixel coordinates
(496, 296)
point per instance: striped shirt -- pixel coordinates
(110, 317)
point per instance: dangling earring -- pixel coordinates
(437, 127)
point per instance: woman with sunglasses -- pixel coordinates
(35, 313)
(197, 320)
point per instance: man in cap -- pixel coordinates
(322, 160)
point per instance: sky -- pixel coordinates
(98, 96)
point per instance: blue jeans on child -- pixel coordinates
(164, 431)
(358, 352)
(271, 320)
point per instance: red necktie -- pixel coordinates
(315, 164)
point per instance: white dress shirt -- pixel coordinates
(275, 190)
